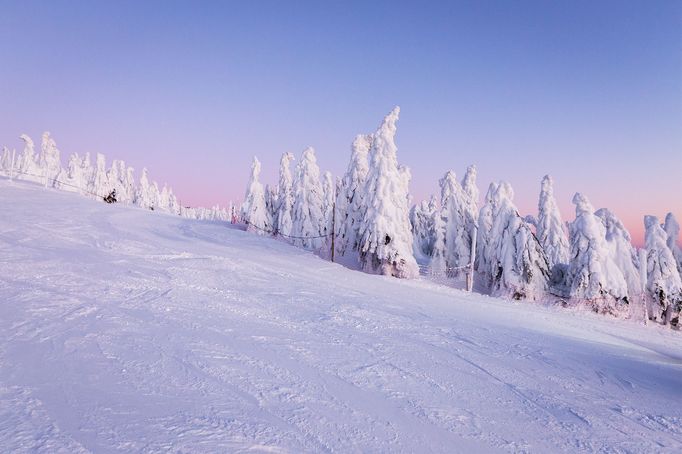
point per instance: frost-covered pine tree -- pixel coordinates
(75, 180)
(143, 191)
(423, 230)
(254, 212)
(29, 168)
(50, 160)
(122, 194)
(663, 280)
(485, 226)
(349, 200)
(307, 217)
(549, 226)
(154, 195)
(164, 199)
(328, 196)
(99, 184)
(593, 276)
(6, 161)
(114, 180)
(458, 223)
(129, 184)
(517, 264)
(672, 230)
(285, 198)
(87, 172)
(471, 191)
(173, 204)
(117, 176)
(620, 248)
(271, 197)
(385, 235)
(437, 264)
(406, 177)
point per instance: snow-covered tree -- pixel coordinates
(271, 198)
(164, 199)
(10, 162)
(517, 265)
(328, 200)
(118, 176)
(129, 184)
(593, 276)
(114, 180)
(29, 167)
(549, 226)
(349, 199)
(121, 188)
(173, 204)
(437, 264)
(5, 160)
(143, 197)
(307, 217)
(385, 235)
(423, 231)
(99, 184)
(471, 191)
(154, 195)
(459, 224)
(285, 198)
(50, 160)
(672, 230)
(87, 172)
(254, 212)
(620, 248)
(485, 226)
(73, 179)
(663, 280)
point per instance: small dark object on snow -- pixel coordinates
(111, 198)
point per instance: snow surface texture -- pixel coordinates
(123, 330)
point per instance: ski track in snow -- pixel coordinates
(123, 330)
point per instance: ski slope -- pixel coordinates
(123, 330)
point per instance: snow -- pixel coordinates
(307, 217)
(350, 204)
(123, 330)
(550, 227)
(385, 235)
(517, 265)
(593, 275)
(285, 197)
(254, 211)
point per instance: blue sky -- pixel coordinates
(590, 92)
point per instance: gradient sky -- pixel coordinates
(588, 91)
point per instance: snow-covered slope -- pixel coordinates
(126, 330)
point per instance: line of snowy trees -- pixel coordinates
(587, 262)
(366, 212)
(96, 180)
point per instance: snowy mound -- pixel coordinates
(126, 330)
